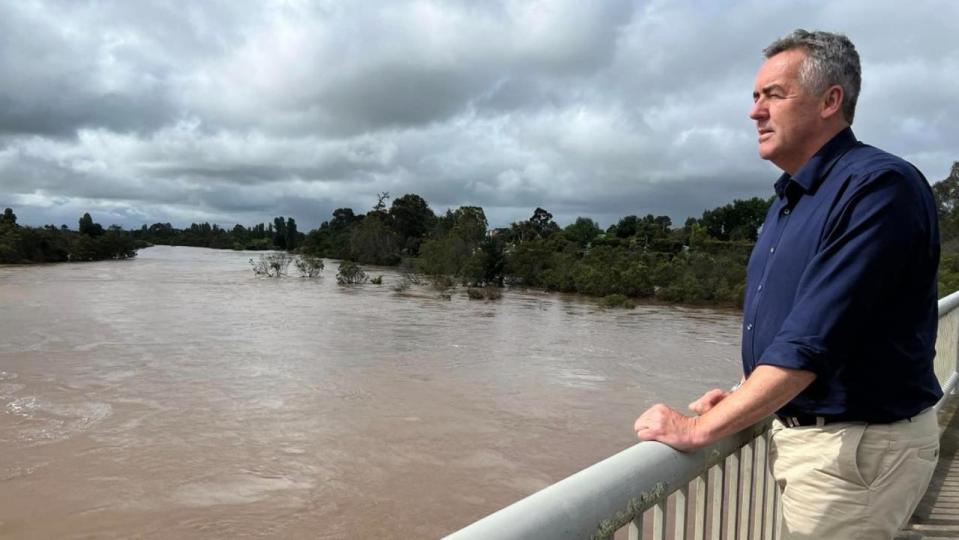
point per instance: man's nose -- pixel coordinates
(758, 110)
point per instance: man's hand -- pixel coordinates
(766, 390)
(660, 423)
(708, 401)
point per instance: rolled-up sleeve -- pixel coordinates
(864, 248)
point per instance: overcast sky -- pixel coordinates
(235, 112)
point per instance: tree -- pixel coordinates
(411, 218)
(946, 192)
(372, 241)
(8, 218)
(451, 250)
(652, 228)
(381, 198)
(468, 223)
(88, 227)
(737, 221)
(291, 237)
(350, 273)
(343, 218)
(309, 265)
(528, 261)
(626, 227)
(273, 265)
(279, 232)
(542, 223)
(334, 238)
(582, 231)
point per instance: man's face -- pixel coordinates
(787, 116)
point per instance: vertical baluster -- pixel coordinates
(731, 492)
(700, 489)
(636, 528)
(759, 486)
(772, 490)
(659, 520)
(777, 514)
(680, 506)
(745, 490)
(718, 506)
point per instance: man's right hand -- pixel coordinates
(708, 401)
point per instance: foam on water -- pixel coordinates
(44, 421)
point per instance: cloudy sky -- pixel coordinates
(235, 112)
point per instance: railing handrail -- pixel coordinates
(948, 303)
(598, 500)
(603, 497)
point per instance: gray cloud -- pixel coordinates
(237, 112)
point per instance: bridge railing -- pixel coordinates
(721, 492)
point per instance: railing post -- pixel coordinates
(700, 486)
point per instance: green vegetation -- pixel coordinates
(309, 266)
(273, 265)
(350, 273)
(639, 257)
(19, 244)
(282, 234)
(947, 206)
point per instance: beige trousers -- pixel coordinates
(850, 481)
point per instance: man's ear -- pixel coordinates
(832, 102)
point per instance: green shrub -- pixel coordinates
(272, 265)
(309, 266)
(350, 273)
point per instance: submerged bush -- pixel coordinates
(350, 273)
(309, 266)
(272, 265)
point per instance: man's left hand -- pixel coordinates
(660, 423)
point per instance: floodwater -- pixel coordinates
(177, 395)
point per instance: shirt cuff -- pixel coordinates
(794, 356)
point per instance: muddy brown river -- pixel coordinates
(177, 395)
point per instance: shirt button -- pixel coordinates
(772, 250)
(749, 326)
(759, 288)
(786, 211)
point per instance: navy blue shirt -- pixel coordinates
(842, 282)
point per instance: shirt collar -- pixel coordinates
(814, 171)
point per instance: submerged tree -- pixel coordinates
(309, 266)
(273, 265)
(350, 273)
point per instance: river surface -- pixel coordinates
(177, 395)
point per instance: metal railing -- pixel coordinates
(721, 492)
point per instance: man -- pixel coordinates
(840, 316)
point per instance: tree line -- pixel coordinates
(281, 234)
(702, 261)
(90, 242)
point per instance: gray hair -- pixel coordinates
(830, 59)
